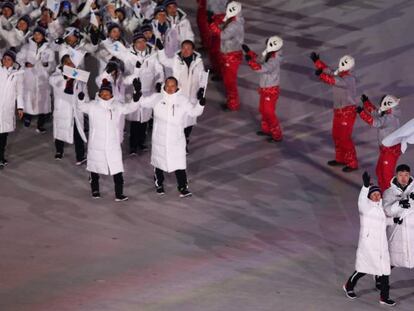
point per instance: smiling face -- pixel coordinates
(375, 196)
(170, 86)
(105, 95)
(22, 25)
(115, 34)
(7, 61)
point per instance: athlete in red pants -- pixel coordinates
(269, 70)
(386, 121)
(202, 22)
(231, 33)
(344, 94)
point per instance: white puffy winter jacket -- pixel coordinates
(168, 140)
(104, 147)
(11, 89)
(372, 255)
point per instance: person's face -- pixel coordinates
(140, 44)
(170, 86)
(7, 61)
(376, 196)
(71, 40)
(171, 10)
(22, 26)
(68, 62)
(187, 50)
(7, 12)
(115, 34)
(161, 17)
(403, 178)
(38, 37)
(105, 95)
(148, 34)
(120, 15)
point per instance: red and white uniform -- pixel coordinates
(388, 157)
(231, 38)
(269, 92)
(344, 100)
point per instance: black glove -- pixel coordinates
(364, 98)
(137, 85)
(314, 57)
(366, 179)
(398, 221)
(136, 96)
(412, 195)
(94, 36)
(81, 95)
(405, 203)
(200, 96)
(247, 57)
(138, 64)
(158, 87)
(210, 15)
(111, 67)
(359, 109)
(159, 44)
(318, 72)
(59, 41)
(245, 48)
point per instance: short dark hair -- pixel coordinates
(403, 168)
(64, 57)
(172, 78)
(188, 42)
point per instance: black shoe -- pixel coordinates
(121, 198)
(143, 147)
(348, 169)
(58, 156)
(160, 190)
(26, 122)
(334, 163)
(133, 152)
(349, 292)
(377, 283)
(80, 162)
(187, 152)
(272, 140)
(216, 78)
(185, 193)
(387, 302)
(3, 163)
(96, 195)
(224, 107)
(261, 133)
(41, 130)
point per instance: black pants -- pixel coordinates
(79, 145)
(383, 279)
(180, 175)
(118, 181)
(41, 119)
(137, 134)
(3, 143)
(187, 133)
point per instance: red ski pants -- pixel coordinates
(343, 124)
(267, 107)
(214, 40)
(230, 63)
(386, 164)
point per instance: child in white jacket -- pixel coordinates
(372, 254)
